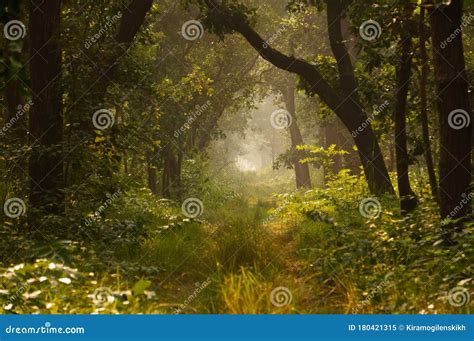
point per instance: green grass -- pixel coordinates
(316, 246)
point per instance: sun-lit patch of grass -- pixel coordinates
(246, 291)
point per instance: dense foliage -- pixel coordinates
(249, 157)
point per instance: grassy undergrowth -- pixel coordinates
(304, 252)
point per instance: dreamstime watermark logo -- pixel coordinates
(192, 207)
(103, 119)
(279, 209)
(459, 296)
(459, 119)
(370, 296)
(14, 208)
(193, 116)
(281, 296)
(46, 329)
(110, 199)
(370, 30)
(20, 111)
(370, 208)
(103, 29)
(199, 287)
(465, 22)
(377, 110)
(102, 296)
(275, 36)
(192, 30)
(281, 119)
(465, 201)
(14, 30)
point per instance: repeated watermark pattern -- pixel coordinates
(281, 296)
(465, 22)
(14, 30)
(281, 119)
(103, 119)
(377, 110)
(199, 288)
(370, 30)
(109, 23)
(110, 199)
(192, 207)
(14, 208)
(275, 36)
(459, 119)
(466, 200)
(459, 296)
(378, 289)
(193, 116)
(192, 30)
(18, 292)
(102, 296)
(20, 111)
(370, 208)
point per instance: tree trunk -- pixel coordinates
(16, 108)
(151, 172)
(408, 200)
(454, 114)
(171, 180)
(366, 141)
(133, 17)
(45, 124)
(302, 174)
(332, 136)
(424, 107)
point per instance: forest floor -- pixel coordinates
(304, 252)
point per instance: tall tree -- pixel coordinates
(454, 111)
(346, 108)
(407, 197)
(425, 67)
(45, 121)
(302, 174)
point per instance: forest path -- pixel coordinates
(294, 270)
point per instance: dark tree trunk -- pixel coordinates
(333, 136)
(165, 181)
(45, 124)
(133, 17)
(351, 115)
(391, 152)
(16, 107)
(151, 172)
(171, 179)
(365, 140)
(424, 107)
(302, 174)
(454, 113)
(408, 200)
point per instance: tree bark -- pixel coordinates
(151, 172)
(424, 107)
(171, 179)
(333, 136)
(45, 121)
(302, 174)
(454, 114)
(351, 115)
(408, 199)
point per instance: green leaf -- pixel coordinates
(468, 3)
(140, 287)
